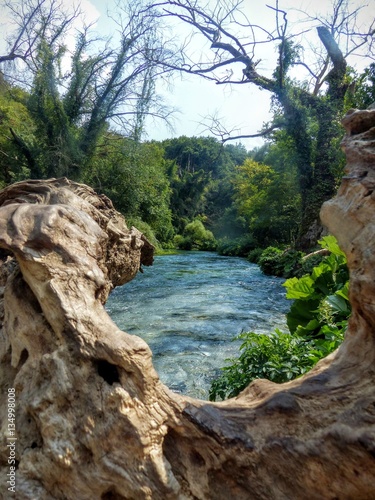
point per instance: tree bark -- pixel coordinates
(92, 419)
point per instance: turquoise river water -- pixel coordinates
(189, 306)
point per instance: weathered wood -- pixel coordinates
(93, 421)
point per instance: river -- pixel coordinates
(189, 306)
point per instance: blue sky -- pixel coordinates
(242, 107)
(194, 98)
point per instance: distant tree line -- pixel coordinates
(81, 113)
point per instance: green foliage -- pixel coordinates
(254, 255)
(134, 176)
(361, 88)
(238, 247)
(195, 237)
(321, 297)
(278, 357)
(317, 321)
(266, 196)
(278, 262)
(308, 262)
(55, 151)
(274, 195)
(285, 263)
(290, 262)
(104, 83)
(182, 243)
(200, 171)
(251, 188)
(230, 225)
(288, 53)
(13, 116)
(269, 261)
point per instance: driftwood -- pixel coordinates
(92, 419)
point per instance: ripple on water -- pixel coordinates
(189, 306)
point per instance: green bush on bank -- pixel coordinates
(272, 260)
(195, 237)
(237, 247)
(317, 321)
(269, 261)
(283, 263)
(254, 255)
(277, 356)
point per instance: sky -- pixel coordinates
(243, 107)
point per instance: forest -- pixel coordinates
(79, 111)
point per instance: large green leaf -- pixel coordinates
(325, 284)
(301, 313)
(344, 291)
(330, 243)
(302, 288)
(319, 270)
(338, 304)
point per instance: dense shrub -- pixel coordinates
(182, 243)
(195, 237)
(269, 261)
(283, 263)
(317, 321)
(254, 255)
(279, 357)
(308, 262)
(290, 262)
(238, 247)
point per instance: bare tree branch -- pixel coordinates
(217, 128)
(34, 21)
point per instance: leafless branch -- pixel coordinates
(263, 133)
(300, 63)
(33, 21)
(216, 127)
(16, 50)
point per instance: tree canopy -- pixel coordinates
(79, 111)
(307, 108)
(74, 96)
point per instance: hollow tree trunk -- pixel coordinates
(93, 421)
